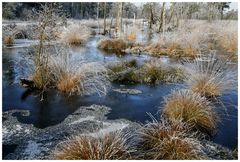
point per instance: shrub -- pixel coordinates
(113, 45)
(76, 35)
(167, 140)
(210, 76)
(111, 146)
(191, 108)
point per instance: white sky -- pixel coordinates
(233, 5)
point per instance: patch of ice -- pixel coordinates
(18, 127)
(32, 150)
(91, 118)
(108, 128)
(6, 133)
(128, 91)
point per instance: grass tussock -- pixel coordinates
(155, 71)
(67, 73)
(41, 78)
(76, 35)
(132, 36)
(192, 108)
(210, 76)
(170, 140)
(68, 83)
(172, 50)
(8, 40)
(112, 146)
(229, 43)
(152, 72)
(124, 71)
(74, 76)
(113, 45)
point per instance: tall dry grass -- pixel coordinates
(195, 37)
(73, 75)
(112, 146)
(113, 45)
(68, 73)
(192, 108)
(75, 34)
(170, 140)
(210, 76)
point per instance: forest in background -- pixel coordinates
(152, 10)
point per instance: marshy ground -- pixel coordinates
(149, 93)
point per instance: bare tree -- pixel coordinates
(119, 18)
(162, 19)
(98, 17)
(104, 18)
(48, 19)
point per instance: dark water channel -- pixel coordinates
(56, 106)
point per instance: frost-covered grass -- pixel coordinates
(72, 75)
(113, 45)
(75, 34)
(192, 108)
(165, 140)
(67, 73)
(111, 146)
(210, 76)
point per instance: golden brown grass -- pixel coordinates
(210, 76)
(69, 83)
(113, 45)
(191, 108)
(172, 49)
(76, 34)
(132, 37)
(170, 140)
(8, 40)
(72, 75)
(41, 78)
(229, 42)
(206, 86)
(111, 146)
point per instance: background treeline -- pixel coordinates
(151, 10)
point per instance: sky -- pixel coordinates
(233, 5)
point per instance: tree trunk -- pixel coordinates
(119, 19)
(98, 17)
(172, 13)
(104, 17)
(162, 18)
(151, 16)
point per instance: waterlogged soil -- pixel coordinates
(128, 102)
